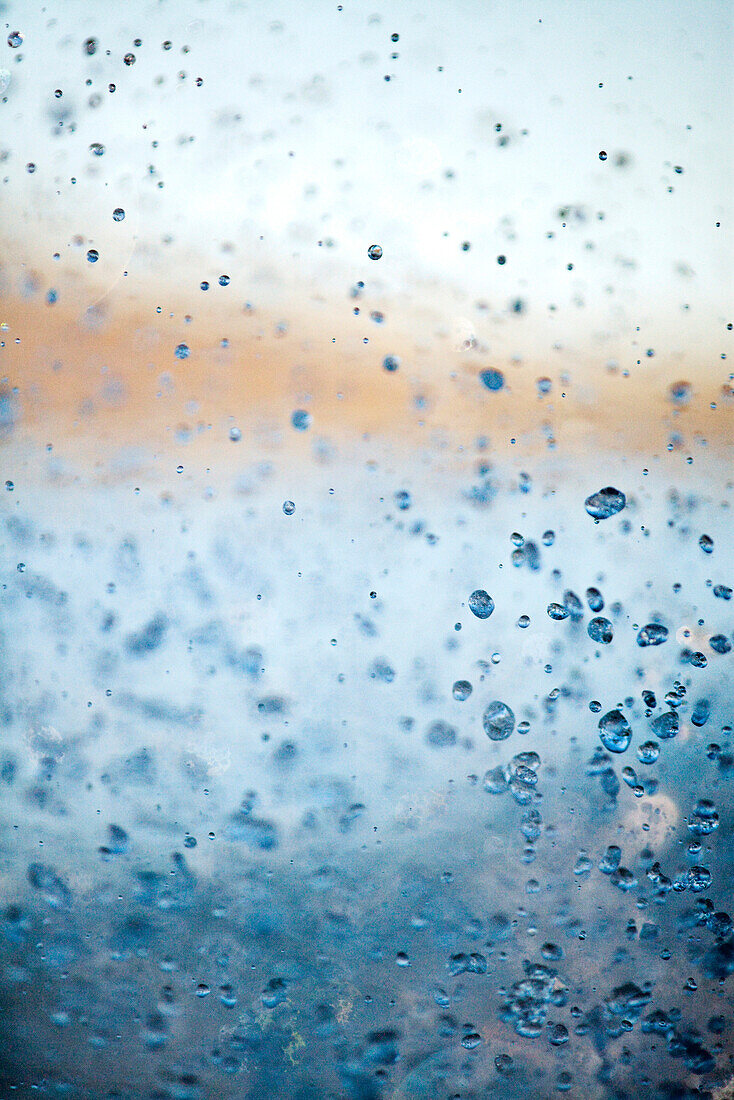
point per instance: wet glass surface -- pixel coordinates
(365, 655)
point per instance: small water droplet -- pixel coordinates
(648, 752)
(301, 420)
(461, 690)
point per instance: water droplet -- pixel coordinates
(440, 735)
(665, 725)
(15, 39)
(615, 731)
(498, 721)
(493, 379)
(607, 502)
(235, 435)
(374, 251)
(558, 1035)
(652, 634)
(610, 860)
(705, 818)
(467, 964)
(97, 149)
(600, 630)
(288, 507)
(481, 604)
(301, 420)
(707, 544)
(92, 255)
(583, 864)
(390, 363)
(118, 214)
(461, 690)
(623, 879)
(557, 611)
(182, 351)
(594, 599)
(648, 752)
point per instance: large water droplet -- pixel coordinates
(615, 731)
